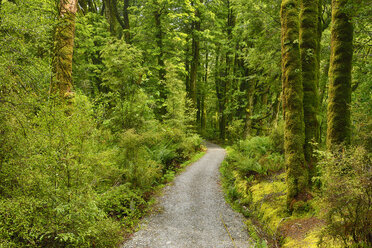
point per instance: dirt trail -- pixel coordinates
(194, 213)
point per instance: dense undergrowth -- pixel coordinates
(67, 182)
(82, 173)
(337, 215)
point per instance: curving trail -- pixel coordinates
(194, 212)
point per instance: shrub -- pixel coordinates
(347, 195)
(255, 156)
(123, 203)
(277, 137)
(138, 167)
(35, 222)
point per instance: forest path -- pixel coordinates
(194, 213)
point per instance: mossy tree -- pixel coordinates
(294, 138)
(63, 49)
(339, 92)
(309, 52)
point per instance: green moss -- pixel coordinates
(294, 136)
(339, 93)
(268, 199)
(63, 51)
(309, 51)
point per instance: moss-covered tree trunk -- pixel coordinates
(297, 173)
(63, 49)
(109, 12)
(309, 51)
(339, 92)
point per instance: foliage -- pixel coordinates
(52, 166)
(123, 203)
(91, 38)
(255, 156)
(347, 191)
(76, 175)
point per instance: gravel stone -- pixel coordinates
(194, 212)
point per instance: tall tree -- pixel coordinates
(125, 22)
(195, 53)
(159, 12)
(297, 174)
(63, 48)
(109, 11)
(339, 92)
(309, 52)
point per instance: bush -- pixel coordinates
(123, 203)
(277, 137)
(32, 222)
(255, 156)
(138, 167)
(347, 195)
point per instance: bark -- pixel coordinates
(309, 52)
(126, 21)
(195, 57)
(63, 49)
(294, 138)
(162, 110)
(339, 92)
(110, 15)
(248, 87)
(187, 68)
(203, 108)
(227, 74)
(220, 92)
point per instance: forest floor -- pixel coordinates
(193, 212)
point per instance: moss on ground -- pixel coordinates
(269, 221)
(269, 200)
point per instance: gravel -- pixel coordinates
(194, 213)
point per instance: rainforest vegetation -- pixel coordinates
(103, 101)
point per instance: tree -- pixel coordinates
(339, 92)
(309, 51)
(63, 49)
(195, 53)
(297, 175)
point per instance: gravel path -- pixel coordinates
(194, 212)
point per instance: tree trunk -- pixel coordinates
(162, 110)
(63, 49)
(109, 12)
(228, 74)
(220, 91)
(339, 92)
(203, 107)
(309, 52)
(126, 21)
(187, 67)
(195, 56)
(297, 173)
